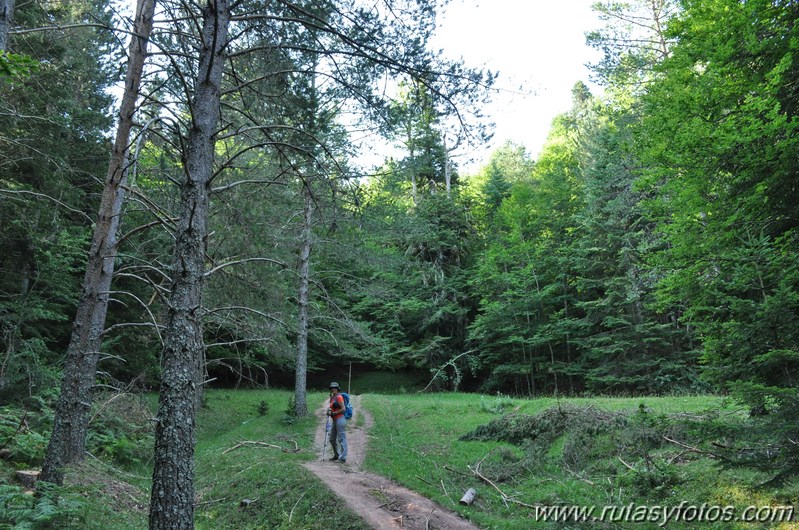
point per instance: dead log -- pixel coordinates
(468, 497)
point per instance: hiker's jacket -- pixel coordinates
(337, 406)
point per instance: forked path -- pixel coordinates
(380, 502)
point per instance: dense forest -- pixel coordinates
(652, 247)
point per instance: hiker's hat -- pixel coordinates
(333, 385)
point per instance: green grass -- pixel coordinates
(283, 494)
(415, 441)
(252, 486)
(249, 487)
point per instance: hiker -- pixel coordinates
(338, 432)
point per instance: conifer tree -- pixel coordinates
(70, 424)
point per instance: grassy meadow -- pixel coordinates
(523, 453)
(590, 459)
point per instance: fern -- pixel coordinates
(52, 507)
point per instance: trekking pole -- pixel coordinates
(327, 435)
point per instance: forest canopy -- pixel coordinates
(650, 248)
(212, 225)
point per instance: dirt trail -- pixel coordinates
(380, 502)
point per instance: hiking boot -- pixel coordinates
(342, 460)
(335, 457)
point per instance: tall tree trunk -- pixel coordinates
(68, 439)
(172, 495)
(300, 401)
(447, 168)
(411, 150)
(6, 15)
(301, 364)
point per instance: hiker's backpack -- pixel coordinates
(348, 412)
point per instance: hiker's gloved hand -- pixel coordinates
(329, 412)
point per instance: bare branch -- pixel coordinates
(55, 28)
(227, 187)
(246, 260)
(146, 308)
(451, 362)
(239, 341)
(141, 228)
(130, 325)
(247, 309)
(48, 197)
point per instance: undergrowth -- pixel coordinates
(258, 486)
(52, 507)
(518, 454)
(582, 452)
(238, 485)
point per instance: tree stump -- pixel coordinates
(28, 477)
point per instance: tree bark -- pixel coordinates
(448, 162)
(300, 401)
(172, 495)
(6, 15)
(447, 168)
(414, 186)
(70, 425)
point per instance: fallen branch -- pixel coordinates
(425, 481)
(204, 503)
(505, 498)
(455, 471)
(675, 457)
(262, 444)
(579, 477)
(295, 505)
(628, 466)
(703, 417)
(690, 448)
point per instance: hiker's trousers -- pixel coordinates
(338, 437)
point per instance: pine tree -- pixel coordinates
(70, 425)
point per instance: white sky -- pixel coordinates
(538, 43)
